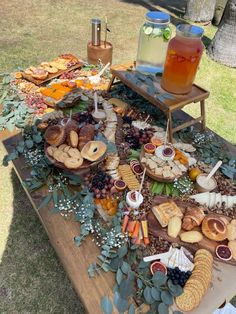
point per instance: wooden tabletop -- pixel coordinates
(165, 104)
(76, 260)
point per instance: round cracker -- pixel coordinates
(186, 301)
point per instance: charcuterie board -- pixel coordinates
(50, 75)
(157, 230)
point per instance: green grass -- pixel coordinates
(32, 279)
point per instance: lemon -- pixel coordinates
(193, 173)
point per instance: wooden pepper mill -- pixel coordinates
(98, 49)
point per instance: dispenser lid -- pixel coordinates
(158, 17)
(188, 30)
(95, 21)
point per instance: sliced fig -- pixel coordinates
(120, 185)
(137, 169)
(168, 151)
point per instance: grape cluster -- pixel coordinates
(84, 117)
(101, 184)
(36, 102)
(67, 75)
(136, 137)
(177, 276)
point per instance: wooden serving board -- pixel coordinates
(153, 175)
(50, 75)
(155, 229)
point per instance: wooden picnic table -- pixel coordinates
(76, 260)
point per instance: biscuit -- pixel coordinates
(60, 155)
(73, 163)
(74, 153)
(51, 150)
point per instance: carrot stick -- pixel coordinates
(144, 228)
(131, 226)
(125, 223)
(146, 241)
(136, 230)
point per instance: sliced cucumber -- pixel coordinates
(148, 30)
(157, 31)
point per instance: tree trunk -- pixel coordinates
(223, 46)
(200, 10)
(219, 11)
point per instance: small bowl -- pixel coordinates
(97, 118)
(212, 184)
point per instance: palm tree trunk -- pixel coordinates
(200, 10)
(223, 46)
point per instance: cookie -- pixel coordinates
(60, 155)
(51, 150)
(73, 163)
(74, 153)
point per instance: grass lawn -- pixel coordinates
(32, 279)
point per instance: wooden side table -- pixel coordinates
(149, 87)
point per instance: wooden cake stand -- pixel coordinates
(166, 102)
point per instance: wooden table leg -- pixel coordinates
(203, 115)
(111, 83)
(170, 134)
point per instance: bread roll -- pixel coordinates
(174, 226)
(191, 236)
(86, 134)
(55, 135)
(214, 228)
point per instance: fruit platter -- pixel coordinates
(162, 216)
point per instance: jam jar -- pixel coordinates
(154, 36)
(182, 59)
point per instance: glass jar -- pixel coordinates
(153, 42)
(182, 59)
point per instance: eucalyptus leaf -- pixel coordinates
(126, 288)
(29, 143)
(166, 297)
(139, 283)
(106, 305)
(122, 251)
(156, 293)
(121, 304)
(148, 295)
(77, 240)
(119, 276)
(131, 309)
(105, 267)
(91, 271)
(175, 290)
(45, 201)
(143, 265)
(177, 312)
(163, 309)
(159, 279)
(125, 267)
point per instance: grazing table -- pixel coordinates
(76, 260)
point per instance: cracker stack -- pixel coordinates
(198, 283)
(128, 177)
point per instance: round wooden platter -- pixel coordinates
(85, 167)
(153, 175)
